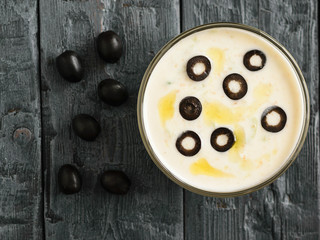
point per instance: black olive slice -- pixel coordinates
(188, 152)
(190, 108)
(280, 121)
(235, 86)
(223, 132)
(247, 60)
(195, 76)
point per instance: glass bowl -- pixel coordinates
(285, 165)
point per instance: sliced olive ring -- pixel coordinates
(190, 108)
(222, 132)
(274, 127)
(192, 63)
(235, 94)
(182, 149)
(247, 60)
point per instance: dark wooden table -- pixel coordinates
(36, 108)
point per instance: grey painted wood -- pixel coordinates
(287, 209)
(153, 209)
(20, 143)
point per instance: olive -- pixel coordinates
(69, 179)
(86, 127)
(249, 62)
(190, 108)
(194, 143)
(115, 182)
(273, 119)
(69, 66)
(193, 73)
(112, 92)
(222, 139)
(109, 46)
(235, 86)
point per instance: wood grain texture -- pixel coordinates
(288, 208)
(20, 143)
(153, 208)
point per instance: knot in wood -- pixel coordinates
(22, 136)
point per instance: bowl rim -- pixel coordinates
(306, 109)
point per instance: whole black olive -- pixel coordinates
(69, 66)
(112, 92)
(86, 127)
(109, 46)
(69, 179)
(115, 182)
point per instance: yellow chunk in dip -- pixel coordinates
(202, 167)
(237, 148)
(216, 112)
(218, 57)
(166, 106)
(261, 95)
(240, 138)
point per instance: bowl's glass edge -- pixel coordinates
(143, 86)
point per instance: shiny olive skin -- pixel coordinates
(69, 179)
(69, 66)
(112, 92)
(86, 127)
(109, 46)
(115, 182)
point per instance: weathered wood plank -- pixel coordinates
(153, 208)
(288, 209)
(20, 143)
